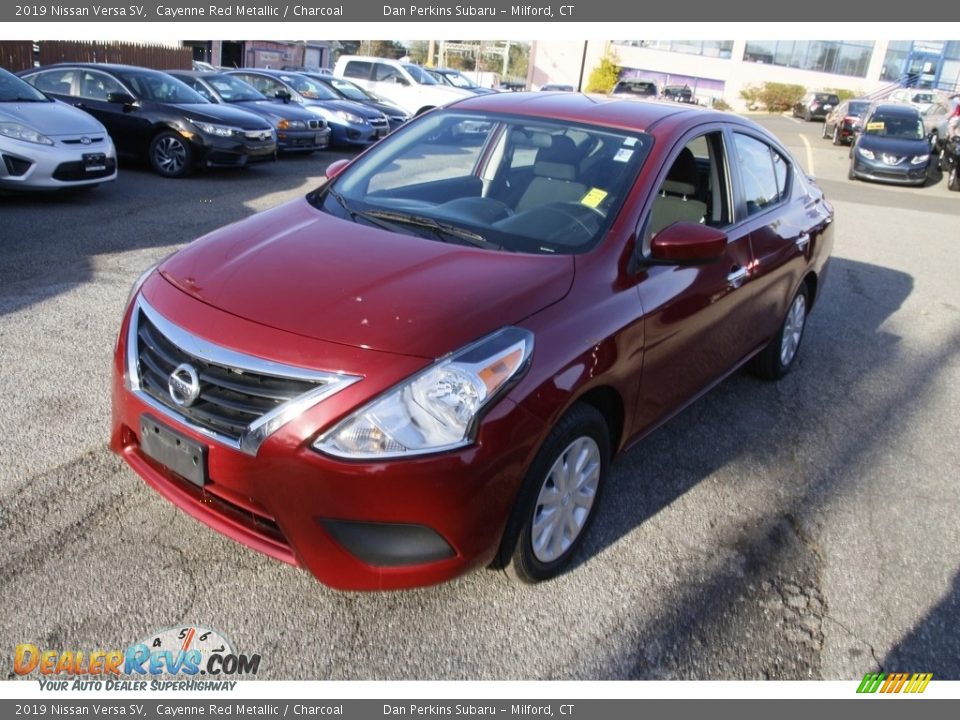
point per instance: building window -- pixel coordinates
(707, 48)
(844, 57)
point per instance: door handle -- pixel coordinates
(802, 242)
(737, 276)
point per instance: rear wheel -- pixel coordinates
(953, 179)
(559, 497)
(775, 360)
(837, 140)
(171, 155)
(823, 130)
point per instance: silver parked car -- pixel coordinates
(48, 145)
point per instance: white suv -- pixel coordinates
(404, 84)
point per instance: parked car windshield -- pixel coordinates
(309, 88)
(901, 127)
(159, 87)
(349, 90)
(233, 89)
(857, 107)
(635, 88)
(492, 181)
(13, 89)
(458, 80)
(419, 74)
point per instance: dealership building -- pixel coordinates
(722, 68)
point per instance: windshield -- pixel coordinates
(635, 88)
(349, 90)
(901, 127)
(419, 74)
(13, 89)
(457, 80)
(309, 88)
(233, 89)
(857, 108)
(497, 182)
(923, 98)
(159, 87)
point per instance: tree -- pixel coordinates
(605, 75)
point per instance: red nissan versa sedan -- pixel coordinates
(427, 363)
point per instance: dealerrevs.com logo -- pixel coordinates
(183, 658)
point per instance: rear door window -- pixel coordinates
(357, 69)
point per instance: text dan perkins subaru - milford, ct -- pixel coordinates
(426, 364)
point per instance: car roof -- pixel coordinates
(604, 111)
(895, 109)
(108, 67)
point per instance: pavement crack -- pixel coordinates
(848, 631)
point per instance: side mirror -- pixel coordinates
(400, 81)
(283, 95)
(121, 98)
(687, 243)
(335, 168)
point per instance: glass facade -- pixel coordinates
(706, 48)
(934, 63)
(840, 57)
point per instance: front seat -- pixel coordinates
(676, 200)
(554, 173)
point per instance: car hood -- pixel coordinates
(222, 114)
(50, 118)
(893, 146)
(298, 269)
(273, 108)
(364, 111)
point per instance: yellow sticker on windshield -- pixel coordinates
(593, 198)
(876, 125)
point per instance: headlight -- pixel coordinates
(22, 132)
(348, 117)
(868, 154)
(438, 408)
(285, 124)
(215, 130)
(919, 159)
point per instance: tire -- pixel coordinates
(170, 155)
(837, 140)
(850, 175)
(534, 548)
(776, 359)
(823, 130)
(934, 141)
(806, 116)
(953, 178)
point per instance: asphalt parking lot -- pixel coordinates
(806, 529)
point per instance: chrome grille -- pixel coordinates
(80, 141)
(242, 399)
(315, 124)
(379, 122)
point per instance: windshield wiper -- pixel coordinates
(356, 214)
(441, 230)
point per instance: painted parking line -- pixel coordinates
(809, 149)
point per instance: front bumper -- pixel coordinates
(357, 134)
(31, 166)
(233, 151)
(353, 525)
(878, 171)
(297, 140)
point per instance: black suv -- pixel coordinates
(150, 114)
(815, 105)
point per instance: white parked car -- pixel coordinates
(920, 99)
(404, 84)
(48, 145)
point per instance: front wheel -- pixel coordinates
(171, 155)
(953, 179)
(837, 140)
(823, 130)
(776, 359)
(558, 498)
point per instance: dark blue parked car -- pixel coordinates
(352, 123)
(347, 90)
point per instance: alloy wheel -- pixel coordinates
(170, 155)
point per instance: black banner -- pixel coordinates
(220, 11)
(621, 709)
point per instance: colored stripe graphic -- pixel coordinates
(894, 683)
